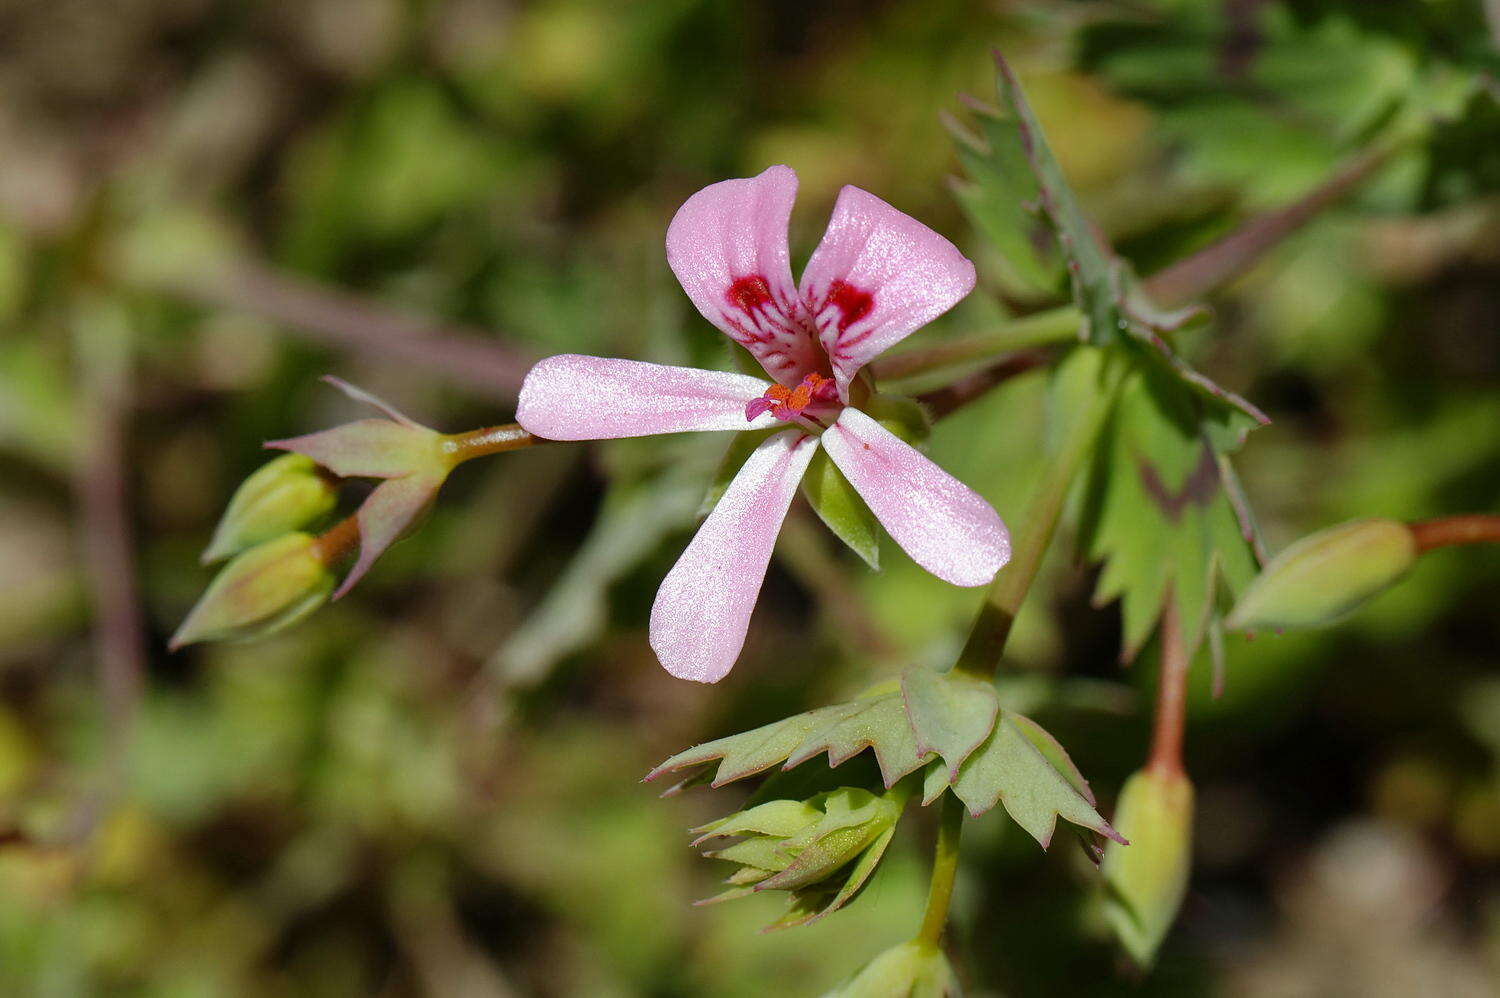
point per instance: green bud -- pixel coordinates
(1146, 880)
(911, 970)
(821, 851)
(271, 586)
(1326, 576)
(284, 495)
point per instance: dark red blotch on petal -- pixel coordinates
(749, 293)
(852, 303)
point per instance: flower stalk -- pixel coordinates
(986, 641)
(461, 447)
(1446, 531)
(1171, 696)
(944, 872)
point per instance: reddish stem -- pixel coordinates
(1171, 696)
(1216, 264)
(462, 447)
(1472, 528)
(950, 398)
(339, 541)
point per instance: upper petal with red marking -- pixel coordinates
(574, 397)
(877, 276)
(728, 247)
(944, 525)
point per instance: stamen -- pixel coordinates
(787, 404)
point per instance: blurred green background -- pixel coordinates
(430, 788)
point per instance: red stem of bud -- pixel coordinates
(1473, 528)
(338, 541)
(1171, 695)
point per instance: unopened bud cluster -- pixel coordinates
(821, 850)
(279, 572)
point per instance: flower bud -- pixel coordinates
(1146, 880)
(1326, 576)
(413, 459)
(284, 495)
(821, 850)
(271, 586)
(911, 970)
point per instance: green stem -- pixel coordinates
(986, 642)
(944, 872)
(1055, 325)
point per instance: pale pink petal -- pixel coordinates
(944, 525)
(573, 397)
(385, 515)
(702, 610)
(877, 276)
(727, 246)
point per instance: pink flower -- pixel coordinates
(876, 277)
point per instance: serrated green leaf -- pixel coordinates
(841, 509)
(1009, 769)
(1158, 513)
(1116, 309)
(877, 722)
(1057, 757)
(1092, 269)
(951, 713)
(750, 752)
(1000, 197)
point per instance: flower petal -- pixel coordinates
(877, 276)
(386, 514)
(573, 397)
(727, 246)
(944, 525)
(703, 608)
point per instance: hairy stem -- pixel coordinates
(1471, 528)
(944, 871)
(1171, 695)
(1212, 266)
(951, 398)
(1180, 283)
(991, 630)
